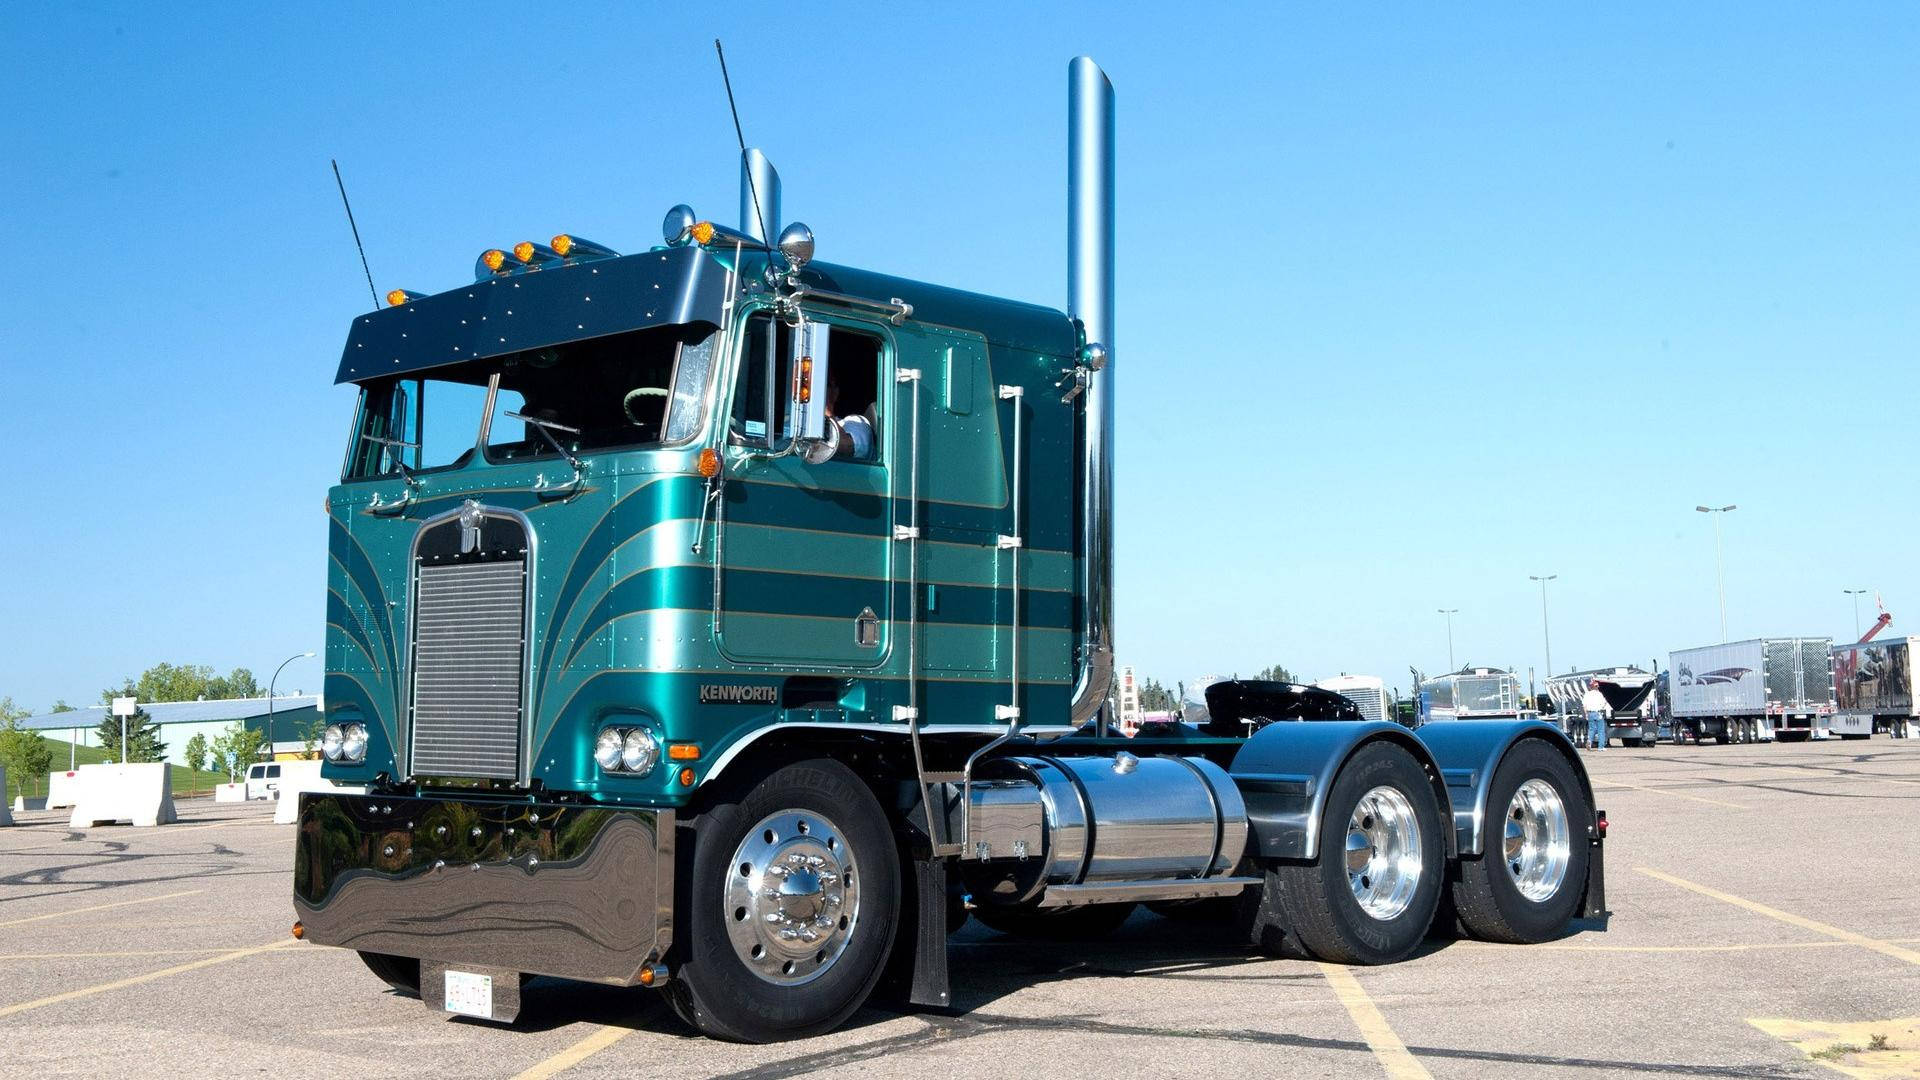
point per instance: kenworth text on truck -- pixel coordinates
(717, 620)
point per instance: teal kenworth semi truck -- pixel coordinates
(718, 620)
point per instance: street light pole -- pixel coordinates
(1449, 612)
(1855, 593)
(270, 684)
(1546, 631)
(1719, 560)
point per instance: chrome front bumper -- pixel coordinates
(579, 892)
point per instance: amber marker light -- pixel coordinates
(396, 297)
(523, 251)
(703, 232)
(562, 245)
(646, 974)
(683, 751)
(494, 258)
(686, 777)
(709, 464)
(299, 930)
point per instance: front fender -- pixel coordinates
(1286, 769)
(1468, 752)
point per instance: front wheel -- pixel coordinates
(792, 907)
(1525, 886)
(1370, 896)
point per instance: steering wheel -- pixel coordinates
(638, 394)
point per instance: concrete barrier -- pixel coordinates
(299, 776)
(230, 792)
(62, 788)
(21, 803)
(6, 816)
(138, 794)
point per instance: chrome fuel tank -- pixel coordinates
(1036, 822)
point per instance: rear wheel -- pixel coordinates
(1371, 895)
(1525, 885)
(400, 972)
(1088, 923)
(792, 907)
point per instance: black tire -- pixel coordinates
(713, 988)
(1323, 917)
(1089, 923)
(1633, 744)
(400, 972)
(1486, 897)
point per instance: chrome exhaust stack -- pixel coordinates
(1090, 159)
(759, 197)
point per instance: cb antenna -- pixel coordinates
(752, 188)
(371, 291)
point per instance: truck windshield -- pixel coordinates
(645, 388)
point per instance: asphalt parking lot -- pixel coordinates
(1766, 923)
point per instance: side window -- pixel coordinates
(421, 423)
(256, 772)
(853, 389)
(273, 772)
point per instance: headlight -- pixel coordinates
(353, 743)
(639, 752)
(330, 741)
(607, 750)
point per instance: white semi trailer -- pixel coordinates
(1753, 690)
(1873, 689)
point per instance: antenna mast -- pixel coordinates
(759, 213)
(371, 291)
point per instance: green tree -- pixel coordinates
(1275, 673)
(310, 740)
(61, 706)
(143, 738)
(23, 752)
(235, 749)
(10, 711)
(1157, 698)
(186, 682)
(196, 755)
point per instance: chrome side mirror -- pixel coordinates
(818, 451)
(678, 223)
(809, 365)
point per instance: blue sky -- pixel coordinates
(1412, 304)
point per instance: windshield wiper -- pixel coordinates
(546, 428)
(399, 460)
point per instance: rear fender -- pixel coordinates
(1468, 752)
(1286, 769)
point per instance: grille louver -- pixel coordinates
(468, 654)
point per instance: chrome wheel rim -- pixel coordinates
(1383, 853)
(792, 897)
(1539, 842)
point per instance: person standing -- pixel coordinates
(1594, 704)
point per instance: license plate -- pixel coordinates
(469, 994)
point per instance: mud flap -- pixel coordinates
(928, 985)
(1595, 904)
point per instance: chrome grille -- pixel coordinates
(468, 654)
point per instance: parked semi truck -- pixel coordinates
(1753, 691)
(1873, 689)
(1474, 693)
(715, 619)
(1632, 708)
(1369, 692)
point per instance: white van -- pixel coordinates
(263, 780)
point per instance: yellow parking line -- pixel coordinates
(121, 984)
(575, 1054)
(1669, 791)
(1848, 936)
(1386, 1046)
(99, 907)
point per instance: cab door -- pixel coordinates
(804, 557)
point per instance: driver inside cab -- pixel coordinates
(856, 431)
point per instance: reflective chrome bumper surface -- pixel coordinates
(578, 892)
